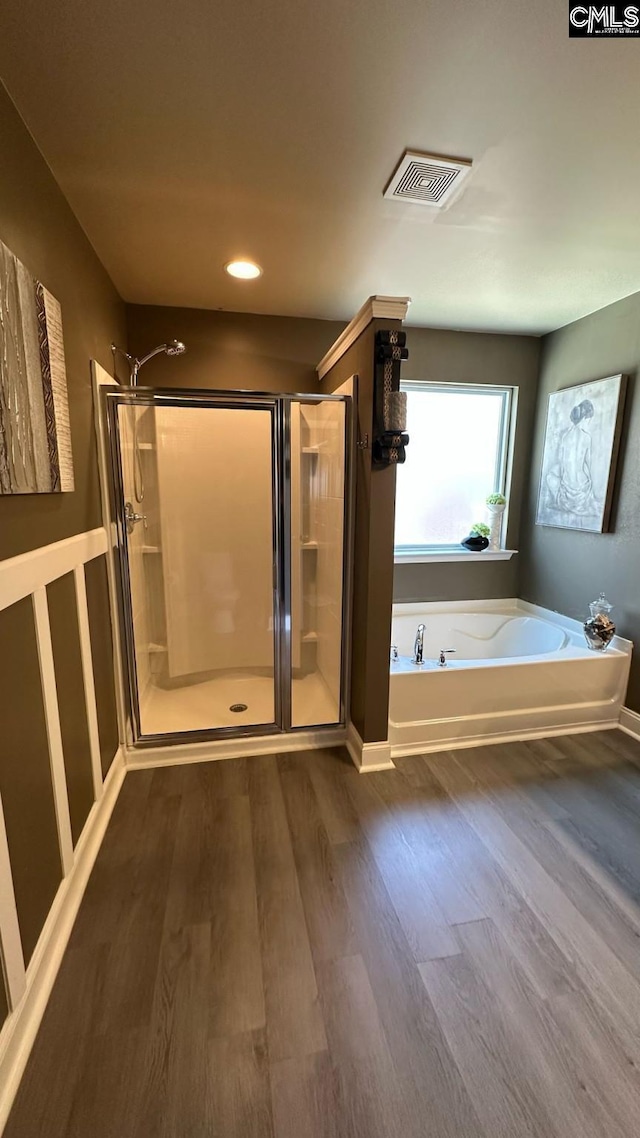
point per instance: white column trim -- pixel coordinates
(368, 757)
(87, 675)
(12, 954)
(376, 307)
(54, 734)
(22, 575)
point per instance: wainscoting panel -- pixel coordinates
(58, 733)
(102, 652)
(25, 776)
(67, 658)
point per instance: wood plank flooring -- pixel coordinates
(279, 947)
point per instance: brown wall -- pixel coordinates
(65, 637)
(563, 569)
(229, 350)
(25, 778)
(373, 551)
(38, 226)
(443, 356)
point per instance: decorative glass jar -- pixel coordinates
(599, 629)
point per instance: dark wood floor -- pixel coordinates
(282, 947)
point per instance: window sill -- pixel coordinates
(445, 555)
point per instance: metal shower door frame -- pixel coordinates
(279, 406)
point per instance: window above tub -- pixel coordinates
(460, 452)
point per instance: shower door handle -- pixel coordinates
(131, 518)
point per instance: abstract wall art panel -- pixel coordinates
(35, 439)
(580, 453)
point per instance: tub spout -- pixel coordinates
(418, 647)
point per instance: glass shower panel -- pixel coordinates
(317, 556)
(198, 481)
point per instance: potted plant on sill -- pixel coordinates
(495, 507)
(477, 539)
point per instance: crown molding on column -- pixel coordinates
(375, 308)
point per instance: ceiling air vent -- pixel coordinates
(426, 178)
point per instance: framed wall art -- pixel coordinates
(581, 447)
(35, 439)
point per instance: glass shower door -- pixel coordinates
(197, 481)
(318, 539)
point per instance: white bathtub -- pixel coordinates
(517, 671)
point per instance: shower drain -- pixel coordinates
(238, 707)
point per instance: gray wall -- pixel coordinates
(562, 569)
(471, 357)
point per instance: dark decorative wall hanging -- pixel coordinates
(390, 403)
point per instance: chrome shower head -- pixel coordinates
(175, 348)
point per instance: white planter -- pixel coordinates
(495, 523)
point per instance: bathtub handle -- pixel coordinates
(394, 652)
(442, 660)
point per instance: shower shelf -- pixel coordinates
(309, 637)
(309, 545)
(151, 549)
(146, 446)
(157, 648)
(311, 450)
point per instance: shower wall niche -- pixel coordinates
(233, 570)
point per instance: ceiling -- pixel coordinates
(186, 134)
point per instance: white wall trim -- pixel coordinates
(630, 722)
(10, 940)
(87, 675)
(368, 757)
(22, 575)
(20, 1028)
(54, 734)
(376, 307)
(102, 379)
(137, 758)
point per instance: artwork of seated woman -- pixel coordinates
(570, 481)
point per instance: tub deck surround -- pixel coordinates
(517, 671)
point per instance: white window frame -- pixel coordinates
(407, 554)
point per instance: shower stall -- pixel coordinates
(232, 516)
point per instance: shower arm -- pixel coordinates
(173, 348)
(134, 363)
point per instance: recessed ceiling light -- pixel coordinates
(243, 270)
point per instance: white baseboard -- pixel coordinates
(368, 757)
(403, 750)
(176, 754)
(630, 722)
(21, 1026)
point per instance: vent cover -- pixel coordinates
(426, 178)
